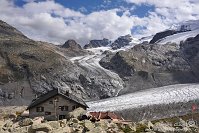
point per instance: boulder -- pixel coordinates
(38, 120)
(79, 129)
(12, 116)
(97, 130)
(21, 129)
(25, 122)
(2, 131)
(183, 123)
(54, 124)
(8, 123)
(1, 124)
(74, 120)
(62, 123)
(163, 128)
(186, 130)
(39, 127)
(102, 123)
(88, 125)
(25, 113)
(66, 129)
(77, 113)
(150, 125)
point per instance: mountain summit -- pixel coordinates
(177, 33)
(71, 44)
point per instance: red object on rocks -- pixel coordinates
(194, 107)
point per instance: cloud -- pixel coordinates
(175, 10)
(167, 13)
(52, 22)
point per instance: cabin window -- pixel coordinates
(50, 102)
(40, 109)
(47, 113)
(74, 107)
(63, 108)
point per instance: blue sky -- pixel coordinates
(83, 20)
(89, 6)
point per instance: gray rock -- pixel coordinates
(25, 122)
(150, 66)
(65, 129)
(40, 127)
(77, 113)
(163, 128)
(54, 124)
(71, 44)
(121, 42)
(89, 125)
(97, 43)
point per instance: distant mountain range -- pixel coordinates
(175, 34)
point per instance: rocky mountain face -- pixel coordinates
(121, 42)
(29, 68)
(161, 35)
(97, 43)
(190, 50)
(153, 65)
(70, 49)
(9, 31)
(71, 44)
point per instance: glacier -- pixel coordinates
(155, 96)
(91, 63)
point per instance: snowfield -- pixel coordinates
(192, 28)
(162, 95)
(177, 38)
(188, 25)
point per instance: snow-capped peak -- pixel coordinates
(181, 32)
(134, 40)
(186, 26)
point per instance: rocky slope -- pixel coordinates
(122, 42)
(29, 68)
(97, 43)
(75, 124)
(153, 65)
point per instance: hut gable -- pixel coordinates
(54, 105)
(56, 92)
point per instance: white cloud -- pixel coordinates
(50, 21)
(167, 12)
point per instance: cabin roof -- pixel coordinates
(53, 93)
